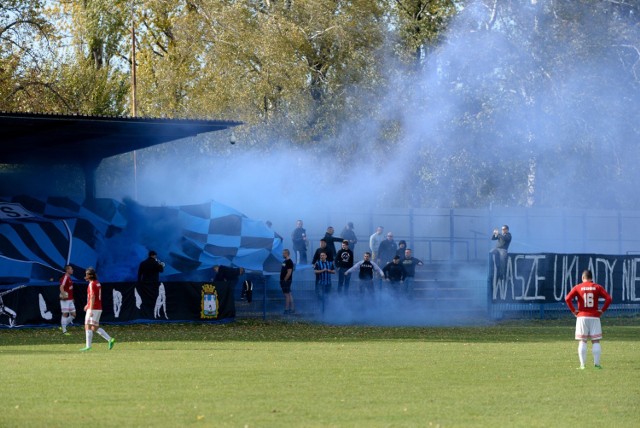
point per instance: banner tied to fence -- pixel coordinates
(548, 277)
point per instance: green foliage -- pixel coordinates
(550, 86)
(94, 78)
(421, 26)
(262, 62)
(25, 37)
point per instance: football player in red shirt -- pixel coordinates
(94, 310)
(67, 307)
(588, 316)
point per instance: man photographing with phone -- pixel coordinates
(500, 252)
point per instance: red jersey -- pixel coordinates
(95, 290)
(67, 285)
(588, 294)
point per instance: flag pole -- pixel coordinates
(133, 97)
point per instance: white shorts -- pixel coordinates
(588, 328)
(95, 317)
(67, 306)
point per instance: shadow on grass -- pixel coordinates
(627, 329)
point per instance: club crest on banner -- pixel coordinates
(209, 303)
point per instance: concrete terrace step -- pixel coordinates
(474, 270)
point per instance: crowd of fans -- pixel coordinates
(385, 259)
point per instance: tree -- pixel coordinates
(26, 39)
(542, 94)
(478, 102)
(422, 25)
(264, 62)
(93, 69)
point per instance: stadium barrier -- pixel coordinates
(534, 287)
(122, 302)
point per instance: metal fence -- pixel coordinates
(438, 299)
(499, 311)
(430, 300)
(464, 234)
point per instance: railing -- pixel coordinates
(553, 310)
(429, 296)
(452, 300)
(464, 234)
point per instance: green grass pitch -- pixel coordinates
(280, 374)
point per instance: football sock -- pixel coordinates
(89, 336)
(63, 323)
(582, 352)
(597, 351)
(104, 334)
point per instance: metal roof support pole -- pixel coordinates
(89, 169)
